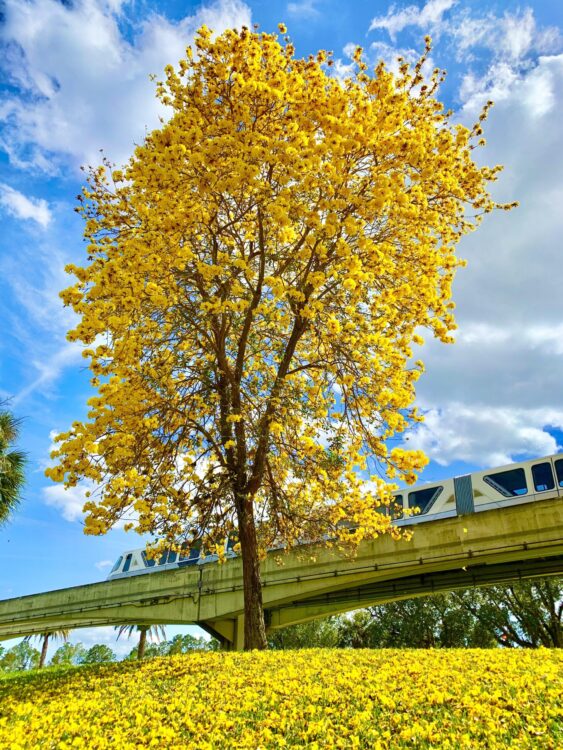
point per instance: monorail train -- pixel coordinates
(522, 482)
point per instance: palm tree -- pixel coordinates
(12, 465)
(62, 634)
(156, 631)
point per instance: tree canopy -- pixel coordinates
(524, 614)
(99, 653)
(256, 276)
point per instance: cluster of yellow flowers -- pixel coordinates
(303, 699)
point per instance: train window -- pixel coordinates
(172, 556)
(543, 477)
(127, 564)
(117, 564)
(559, 471)
(163, 558)
(508, 483)
(424, 499)
(150, 562)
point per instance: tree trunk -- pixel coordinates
(44, 648)
(254, 625)
(142, 643)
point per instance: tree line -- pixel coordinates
(24, 656)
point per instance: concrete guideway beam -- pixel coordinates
(338, 602)
(507, 542)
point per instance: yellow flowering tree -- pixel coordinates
(255, 277)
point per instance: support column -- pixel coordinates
(229, 632)
(238, 641)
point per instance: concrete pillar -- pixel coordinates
(231, 633)
(238, 642)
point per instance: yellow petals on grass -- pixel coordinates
(324, 699)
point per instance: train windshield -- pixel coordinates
(127, 562)
(117, 564)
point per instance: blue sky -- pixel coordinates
(75, 79)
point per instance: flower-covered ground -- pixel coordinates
(300, 699)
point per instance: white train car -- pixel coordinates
(513, 484)
(522, 482)
(135, 562)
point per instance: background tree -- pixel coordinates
(437, 621)
(525, 614)
(255, 278)
(323, 633)
(68, 654)
(20, 657)
(44, 638)
(12, 464)
(155, 631)
(184, 644)
(97, 654)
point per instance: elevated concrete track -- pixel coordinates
(493, 546)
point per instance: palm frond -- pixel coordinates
(156, 632)
(61, 634)
(9, 428)
(12, 465)
(129, 629)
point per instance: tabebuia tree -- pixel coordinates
(256, 275)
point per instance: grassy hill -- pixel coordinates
(300, 699)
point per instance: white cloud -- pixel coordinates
(103, 565)
(512, 40)
(68, 501)
(512, 36)
(485, 435)
(507, 44)
(303, 9)
(429, 17)
(534, 88)
(548, 338)
(82, 84)
(518, 34)
(19, 205)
